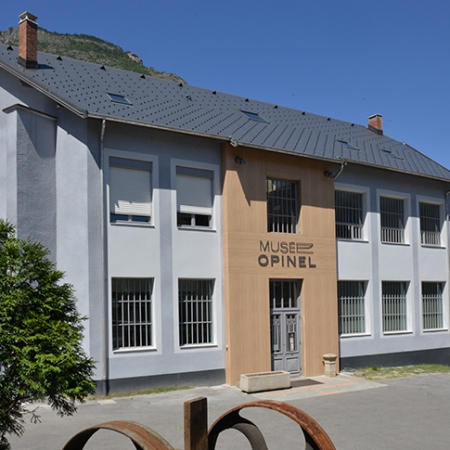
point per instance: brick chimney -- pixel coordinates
(376, 123)
(28, 41)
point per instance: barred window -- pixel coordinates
(432, 310)
(392, 220)
(351, 307)
(394, 306)
(131, 312)
(349, 215)
(284, 294)
(195, 311)
(430, 224)
(282, 206)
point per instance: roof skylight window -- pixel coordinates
(347, 144)
(119, 98)
(390, 153)
(254, 116)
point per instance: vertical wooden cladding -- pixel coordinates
(246, 288)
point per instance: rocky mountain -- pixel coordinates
(88, 48)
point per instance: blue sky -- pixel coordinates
(345, 59)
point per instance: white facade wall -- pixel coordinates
(166, 253)
(51, 185)
(373, 262)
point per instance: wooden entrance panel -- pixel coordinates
(254, 255)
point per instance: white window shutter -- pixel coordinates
(194, 195)
(130, 192)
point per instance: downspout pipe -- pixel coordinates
(104, 241)
(329, 174)
(343, 164)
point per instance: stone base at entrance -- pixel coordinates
(265, 381)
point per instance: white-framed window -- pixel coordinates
(195, 311)
(394, 305)
(432, 306)
(430, 224)
(351, 307)
(349, 215)
(282, 205)
(130, 193)
(392, 216)
(194, 197)
(132, 315)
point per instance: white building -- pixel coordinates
(199, 228)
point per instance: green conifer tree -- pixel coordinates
(41, 357)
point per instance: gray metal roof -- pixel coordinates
(83, 88)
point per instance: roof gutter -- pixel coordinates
(235, 143)
(11, 108)
(78, 111)
(224, 139)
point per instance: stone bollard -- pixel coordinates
(329, 361)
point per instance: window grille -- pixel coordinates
(430, 224)
(432, 310)
(349, 215)
(351, 305)
(194, 197)
(284, 294)
(130, 195)
(282, 206)
(394, 306)
(132, 312)
(195, 311)
(392, 220)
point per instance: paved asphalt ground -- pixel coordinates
(409, 413)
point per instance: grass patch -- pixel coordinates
(383, 373)
(157, 390)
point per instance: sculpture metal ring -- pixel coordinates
(315, 436)
(142, 437)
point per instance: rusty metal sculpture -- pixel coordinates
(143, 438)
(197, 436)
(315, 436)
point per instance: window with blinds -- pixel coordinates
(194, 197)
(430, 224)
(130, 193)
(282, 206)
